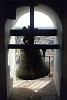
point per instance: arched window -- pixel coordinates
(41, 21)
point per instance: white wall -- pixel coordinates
(10, 57)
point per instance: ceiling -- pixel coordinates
(9, 6)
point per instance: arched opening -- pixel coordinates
(42, 22)
(55, 24)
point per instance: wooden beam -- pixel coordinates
(34, 32)
(32, 20)
(38, 46)
(32, 16)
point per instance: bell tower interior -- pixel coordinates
(10, 53)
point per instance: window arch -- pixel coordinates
(41, 20)
(57, 23)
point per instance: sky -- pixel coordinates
(41, 20)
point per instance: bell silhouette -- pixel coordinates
(31, 66)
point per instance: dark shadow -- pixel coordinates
(49, 89)
(19, 93)
(63, 89)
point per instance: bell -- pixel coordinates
(31, 66)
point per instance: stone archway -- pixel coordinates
(57, 23)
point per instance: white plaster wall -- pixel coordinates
(10, 56)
